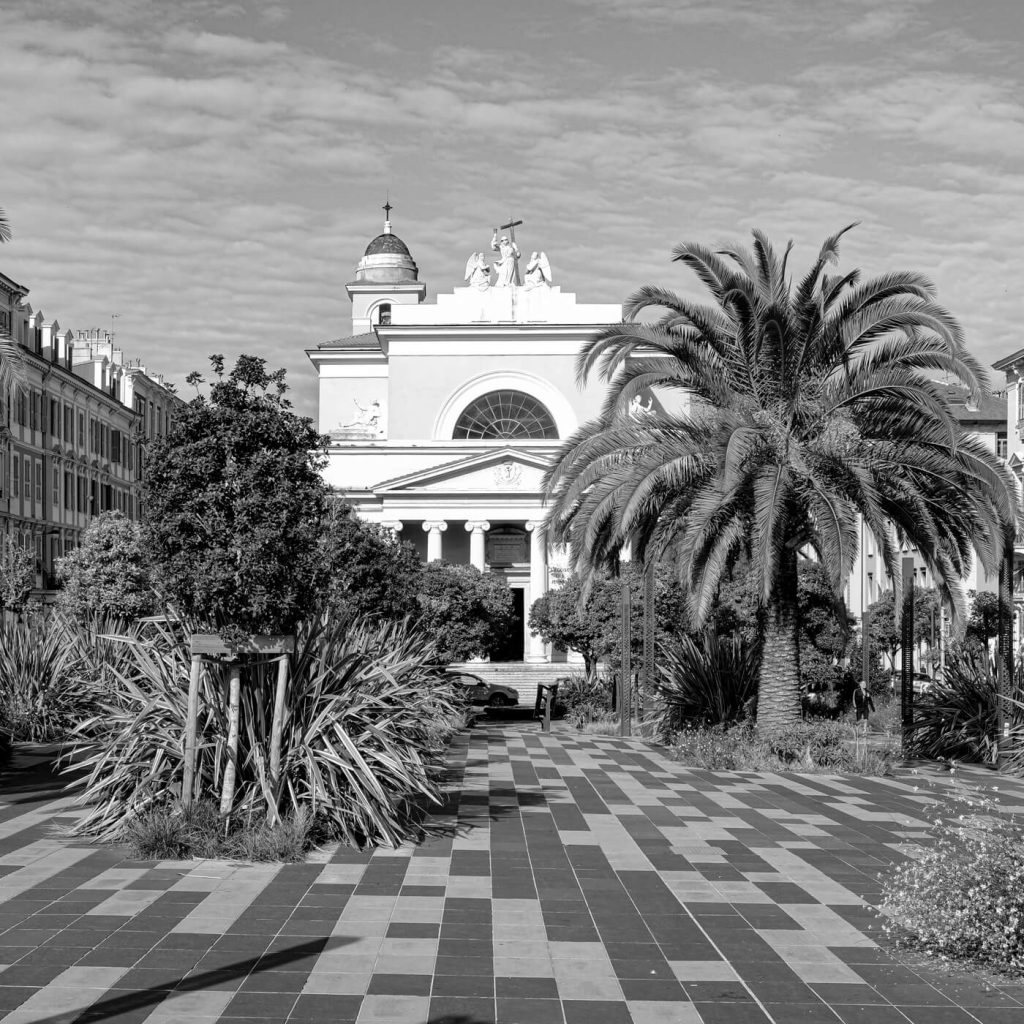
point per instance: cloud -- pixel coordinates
(213, 173)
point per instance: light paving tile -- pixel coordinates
(188, 1006)
(702, 970)
(394, 1009)
(651, 1012)
(337, 984)
(524, 967)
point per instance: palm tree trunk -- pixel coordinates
(778, 698)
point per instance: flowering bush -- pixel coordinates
(964, 898)
(816, 746)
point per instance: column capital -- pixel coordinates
(534, 524)
(394, 525)
(473, 525)
(435, 524)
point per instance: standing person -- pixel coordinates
(862, 702)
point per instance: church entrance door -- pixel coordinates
(512, 645)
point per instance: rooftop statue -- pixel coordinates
(505, 267)
(478, 272)
(538, 271)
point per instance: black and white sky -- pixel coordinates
(211, 171)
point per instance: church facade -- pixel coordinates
(443, 416)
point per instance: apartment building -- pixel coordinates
(74, 419)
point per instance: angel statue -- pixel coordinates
(538, 271)
(505, 267)
(367, 416)
(639, 409)
(478, 272)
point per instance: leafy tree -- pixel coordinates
(234, 505)
(589, 627)
(811, 403)
(17, 574)
(886, 635)
(466, 611)
(370, 572)
(593, 627)
(109, 573)
(983, 622)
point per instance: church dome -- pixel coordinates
(387, 243)
(387, 260)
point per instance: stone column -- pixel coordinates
(538, 583)
(476, 530)
(434, 528)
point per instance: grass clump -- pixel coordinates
(173, 832)
(962, 899)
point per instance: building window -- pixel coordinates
(56, 487)
(69, 491)
(39, 482)
(384, 314)
(81, 430)
(505, 415)
(26, 479)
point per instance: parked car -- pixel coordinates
(922, 682)
(491, 695)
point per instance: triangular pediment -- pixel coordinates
(500, 472)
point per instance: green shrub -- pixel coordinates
(815, 746)
(582, 700)
(719, 748)
(963, 899)
(366, 720)
(709, 681)
(957, 718)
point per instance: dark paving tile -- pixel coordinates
(322, 1008)
(455, 1010)
(526, 988)
(479, 986)
(511, 1010)
(592, 1011)
(801, 1013)
(260, 1004)
(399, 985)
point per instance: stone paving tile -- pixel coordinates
(566, 879)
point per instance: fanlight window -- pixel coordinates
(506, 415)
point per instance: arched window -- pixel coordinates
(507, 415)
(384, 314)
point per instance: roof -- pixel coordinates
(356, 341)
(990, 407)
(1007, 362)
(387, 243)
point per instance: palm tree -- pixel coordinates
(797, 408)
(11, 362)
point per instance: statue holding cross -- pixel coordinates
(507, 267)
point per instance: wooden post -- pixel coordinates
(275, 731)
(191, 727)
(227, 796)
(647, 679)
(907, 655)
(1004, 644)
(626, 695)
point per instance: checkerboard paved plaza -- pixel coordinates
(570, 880)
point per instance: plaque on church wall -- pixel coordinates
(506, 549)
